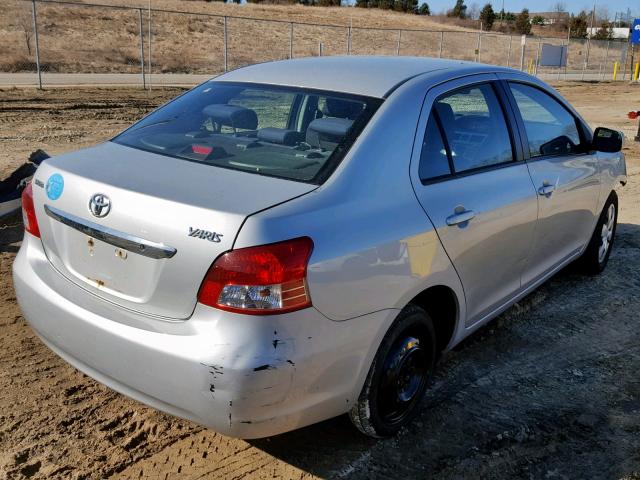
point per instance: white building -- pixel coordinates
(622, 32)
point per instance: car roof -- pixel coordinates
(361, 75)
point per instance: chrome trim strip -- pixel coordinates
(116, 238)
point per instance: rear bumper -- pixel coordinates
(243, 376)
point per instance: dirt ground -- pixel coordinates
(548, 390)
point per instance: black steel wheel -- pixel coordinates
(397, 380)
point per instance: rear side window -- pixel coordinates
(551, 129)
(292, 133)
(475, 128)
(434, 162)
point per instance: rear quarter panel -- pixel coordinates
(374, 248)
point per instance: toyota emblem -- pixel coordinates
(100, 205)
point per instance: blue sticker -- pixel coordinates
(55, 186)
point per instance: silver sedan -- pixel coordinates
(296, 240)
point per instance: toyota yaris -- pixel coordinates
(295, 240)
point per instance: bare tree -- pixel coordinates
(602, 15)
(474, 11)
(25, 23)
(559, 10)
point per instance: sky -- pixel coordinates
(437, 6)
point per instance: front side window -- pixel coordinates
(550, 128)
(475, 128)
(291, 133)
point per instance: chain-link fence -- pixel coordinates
(57, 42)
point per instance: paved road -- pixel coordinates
(181, 79)
(99, 79)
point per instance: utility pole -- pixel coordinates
(149, 49)
(35, 32)
(586, 58)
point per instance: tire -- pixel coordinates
(595, 258)
(397, 380)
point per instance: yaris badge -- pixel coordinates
(205, 235)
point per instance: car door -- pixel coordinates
(470, 179)
(564, 173)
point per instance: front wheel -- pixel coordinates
(595, 258)
(397, 380)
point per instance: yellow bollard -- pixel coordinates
(636, 73)
(530, 69)
(616, 66)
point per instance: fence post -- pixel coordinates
(35, 34)
(606, 61)
(478, 43)
(535, 72)
(319, 49)
(626, 61)
(144, 79)
(226, 53)
(290, 40)
(566, 65)
(523, 45)
(561, 58)
(399, 40)
(586, 57)
(149, 65)
(349, 41)
(441, 43)
(509, 52)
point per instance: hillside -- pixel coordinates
(104, 39)
(371, 18)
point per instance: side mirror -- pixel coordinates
(607, 140)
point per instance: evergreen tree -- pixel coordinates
(459, 10)
(537, 20)
(523, 25)
(579, 25)
(605, 32)
(487, 17)
(424, 9)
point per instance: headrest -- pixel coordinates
(335, 127)
(281, 136)
(232, 116)
(327, 132)
(447, 117)
(337, 107)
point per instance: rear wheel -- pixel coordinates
(595, 258)
(398, 378)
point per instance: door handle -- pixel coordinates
(546, 190)
(461, 216)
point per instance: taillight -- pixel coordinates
(29, 212)
(260, 280)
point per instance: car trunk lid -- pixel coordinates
(167, 220)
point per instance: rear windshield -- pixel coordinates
(291, 133)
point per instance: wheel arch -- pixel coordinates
(443, 306)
